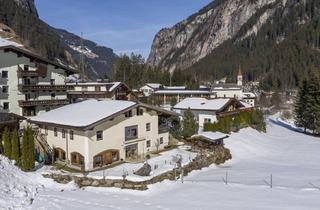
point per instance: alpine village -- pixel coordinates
(224, 112)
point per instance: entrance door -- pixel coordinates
(132, 151)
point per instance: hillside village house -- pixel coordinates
(99, 90)
(150, 88)
(30, 84)
(173, 96)
(209, 111)
(92, 134)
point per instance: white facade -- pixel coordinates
(115, 137)
(17, 97)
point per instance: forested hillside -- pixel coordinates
(55, 44)
(276, 42)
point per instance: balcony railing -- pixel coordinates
(53, 102)
(22, 73)
(24, 88)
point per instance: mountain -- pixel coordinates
(55, 44)
(98, 59)
(274, 41)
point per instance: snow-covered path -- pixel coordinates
(292, 158)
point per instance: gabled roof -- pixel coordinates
(203, 104)
(88, 113)
(84, 113)
(154, 85)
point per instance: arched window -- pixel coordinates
(105, 158)
(77, 159)
(59, 154)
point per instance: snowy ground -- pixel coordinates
(163, 163)
(291, 157)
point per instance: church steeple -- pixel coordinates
(240, 77)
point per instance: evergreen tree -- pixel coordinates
(25, 151)
(31, 149)
(189, 124)
(6, 143)
(300, 105)
(15, 155)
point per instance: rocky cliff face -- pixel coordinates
(28, 5)
(194, 38)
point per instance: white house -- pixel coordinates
(99, 90)
(93, 134)
(249, 98)
(150, 88)
(208, 111)
(30, 84)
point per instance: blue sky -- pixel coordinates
(124, 25)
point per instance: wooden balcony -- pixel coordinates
(25, 88)
(53, 102)
(22, 73)
(87, 94)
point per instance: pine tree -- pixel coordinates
(31, 149)
(189, 124)
(301, 119)
(15, 155)
(24, 151)
(6, 143)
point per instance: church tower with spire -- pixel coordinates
(240, 77)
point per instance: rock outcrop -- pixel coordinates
(194, 38)
(28, 5)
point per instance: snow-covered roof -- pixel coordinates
(115, 85)
(248, 95)
(175, 87)
(110, 86)
(154, 85)
(202, 104)
(228, 86)
(246, 105)
(211, 136)
(182, 92)
(84, 113)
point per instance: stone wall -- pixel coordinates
(204, 160)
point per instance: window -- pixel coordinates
(224, 96)
(55, 130)
(131, 132)
(99, 135)
(5, 89)
(71, 135)
(148, 127)
(6, 105)
(53, 95)
(161, 140)
(98, 161)
(52, 81)
(207, 120)
(4, 74)
(128, 114)
(139, 112)
(26, 67)
(63, 134)
(148, 143)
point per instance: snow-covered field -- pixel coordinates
(291, 157)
